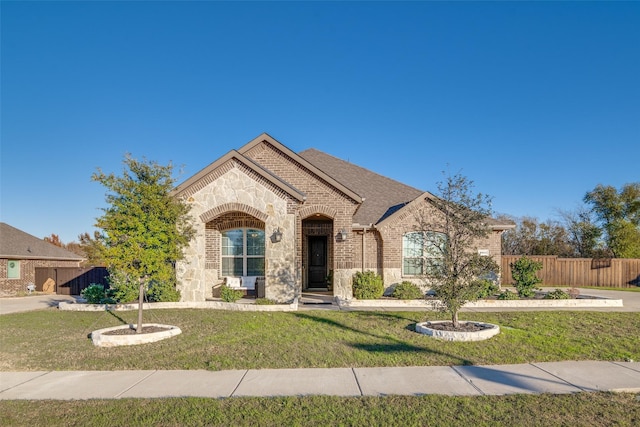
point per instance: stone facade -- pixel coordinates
(266, 186)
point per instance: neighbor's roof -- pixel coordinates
(17, 244)
(382, 196)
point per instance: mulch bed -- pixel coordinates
(131, 331)
(464, 327)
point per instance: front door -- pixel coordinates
(317, 262)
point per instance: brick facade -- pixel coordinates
(266, 186)
(27, 273)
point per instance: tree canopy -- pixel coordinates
(144, 228)
(619, 215)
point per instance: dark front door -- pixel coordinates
(317, 262)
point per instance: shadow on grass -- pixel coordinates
(395, 346)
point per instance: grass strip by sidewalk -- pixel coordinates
(581, 409)
(217, 340)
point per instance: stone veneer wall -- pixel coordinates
(237, 189)
(27, 273)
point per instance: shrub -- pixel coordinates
(557, 294)
(230, 295)
(162, 292)
(487, 288)
(508, 295)
(94, 294)
(264, 301)
(524, 272)
(124, 288)
(407, 290)
(367, 285)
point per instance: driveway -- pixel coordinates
(33, 302)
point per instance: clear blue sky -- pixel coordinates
(536, 102)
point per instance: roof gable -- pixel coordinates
(310, 166)
(17, 244)
(202, 178)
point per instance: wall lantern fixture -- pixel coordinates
(276, 236)
(342, 234)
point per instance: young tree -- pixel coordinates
(144, 228)
(619, 214)
(451, 231)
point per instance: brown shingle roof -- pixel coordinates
(17, 244)
(382, 195)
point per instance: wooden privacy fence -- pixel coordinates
(603, 272)
(71, 280)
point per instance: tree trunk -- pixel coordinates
(140, 302)
(454, 319)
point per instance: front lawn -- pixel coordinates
(217, 340)
(580, 409)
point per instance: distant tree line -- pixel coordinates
(607, 225)
(86, 246)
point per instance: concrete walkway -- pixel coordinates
(547, 377)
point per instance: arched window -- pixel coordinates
(243, 252)
(420, 250)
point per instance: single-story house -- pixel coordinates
(20, 255)
(299, 221)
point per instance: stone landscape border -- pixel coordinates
(101, 338)
(434, 304)
(590, 302)
(214, 305)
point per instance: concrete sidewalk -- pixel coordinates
(547, 377)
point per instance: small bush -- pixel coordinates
(162, 292)
(124, 288)
(487, 288)
(367, 285)
(508, 295)
(524, 272)
(407, 290)
(94, 294)
(264, 301)
(230, 295)
(557, 294)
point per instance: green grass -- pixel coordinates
(602, 288)
(582, 409)
(217, 340)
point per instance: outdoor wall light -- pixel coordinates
(342, 234)
(276, 236)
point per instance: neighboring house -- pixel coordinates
(20, 255)
(299, 221)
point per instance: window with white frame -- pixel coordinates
(243, 252)
(421, 249)
(13, 269)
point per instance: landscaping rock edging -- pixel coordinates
(490, 331)
(101, 338)
(215, 305)
(435, 304)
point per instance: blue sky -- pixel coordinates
(536, 102)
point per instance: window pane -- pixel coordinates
(232, 266)
(255, 242)
(13, 269)
(255, 266)
(412, 266)
(435, 244)
(232, 242)
(412, 245)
